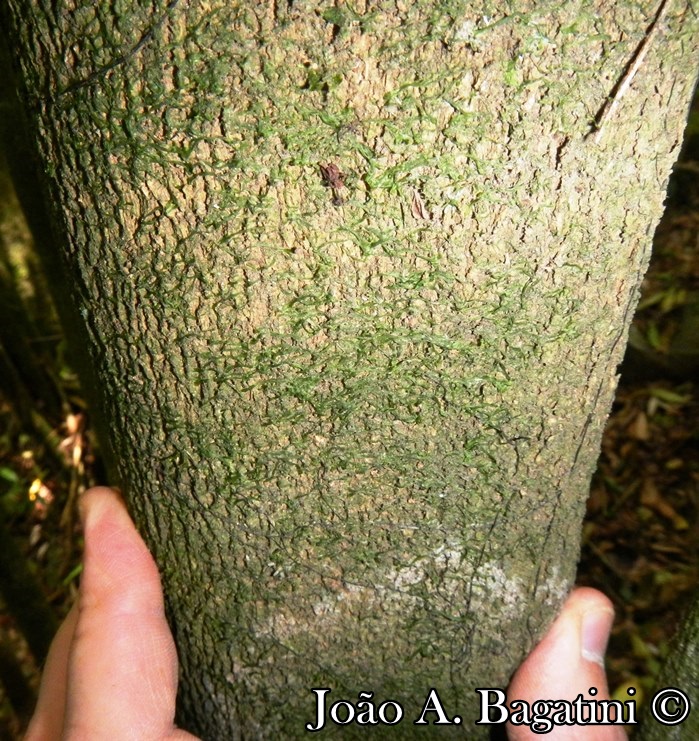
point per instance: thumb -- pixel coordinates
(122, 671)
(569, 661)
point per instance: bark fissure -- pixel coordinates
(120, 59)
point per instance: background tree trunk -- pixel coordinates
(678, 672)
(355, 408)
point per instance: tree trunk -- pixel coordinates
(664, 717)
(356, 280)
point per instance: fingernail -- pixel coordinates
(92, 501)
(596, 626)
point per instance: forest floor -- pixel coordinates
(640, 539)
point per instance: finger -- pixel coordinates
(122, 672)
(47, 722)
(568, 662)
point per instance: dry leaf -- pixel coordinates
(417, 207)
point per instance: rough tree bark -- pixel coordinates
(679, 672)
(356, 280)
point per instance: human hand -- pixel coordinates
(111, 672)
(567, 662)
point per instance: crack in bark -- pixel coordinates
(98, 74)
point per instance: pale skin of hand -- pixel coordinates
(111, 673)
(569, 660)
